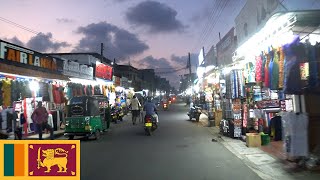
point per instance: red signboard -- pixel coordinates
(103, 71)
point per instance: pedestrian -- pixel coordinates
(135, 108)
(40, 117)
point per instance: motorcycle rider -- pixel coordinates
(151, 109)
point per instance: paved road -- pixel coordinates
(179, 149)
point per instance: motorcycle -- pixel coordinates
(194, 112)
(116, 114)
(224, 127)
(165, 106)
(150, 124)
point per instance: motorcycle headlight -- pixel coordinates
(67, 123)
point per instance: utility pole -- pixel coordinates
(102, 48)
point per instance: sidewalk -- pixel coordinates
(265, 165)
(36, 136)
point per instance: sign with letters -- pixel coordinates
(103, 71)
(74, 69)
(11, 53)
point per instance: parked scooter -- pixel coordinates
(224, 127)
(194, 112)
(150, 124)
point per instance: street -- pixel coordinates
(179, 149)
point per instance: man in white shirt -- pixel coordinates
(135, 108)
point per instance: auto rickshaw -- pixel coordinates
(86, 116)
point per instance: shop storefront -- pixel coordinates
(272, 81)
(27, 77)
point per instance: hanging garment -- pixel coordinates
(266, 72)
(271, 53)
(6, 89)
(264, 61)
(276, 126)
(15, 94)
(50, 120)
(56, 94)
(292, 80)
(313, 69)
(1, 95)
(275, 71)
(50, 91)
(281, 67)
(62, 95)
(258, 68)
(44, 89)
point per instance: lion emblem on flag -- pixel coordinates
(51, 159)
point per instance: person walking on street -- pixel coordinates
(40, 117)
(135, 108)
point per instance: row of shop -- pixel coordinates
(272, 86)
(27, 77)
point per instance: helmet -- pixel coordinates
(149, 99)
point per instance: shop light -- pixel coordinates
(226, 70)
(157, 93)
(275, 32)
(34, 86)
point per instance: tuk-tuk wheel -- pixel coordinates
(97, 134)
(71, 137)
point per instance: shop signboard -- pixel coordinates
(225, 48)
(19, 56)
(236, 108)
(104, 71)
(268, 104)
(74, 69)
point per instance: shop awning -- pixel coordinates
(302, 23)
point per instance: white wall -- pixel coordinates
(255, 13)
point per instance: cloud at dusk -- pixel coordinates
(15, 40)
(119, 42)
(157, 17)
(44, 43)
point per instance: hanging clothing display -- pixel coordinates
(6, 90)
(292, 80)
(50, 91)
(266, 72)
(281, 67)
(274, 73)
(258, 68)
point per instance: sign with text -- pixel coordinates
(103, 71)
(74, 69)
(25, 57)
(39, 159)
(225, 47)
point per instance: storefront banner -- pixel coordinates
(103, 71)
(16, 55)
(74, 69)
(225, 47)
(268, 104)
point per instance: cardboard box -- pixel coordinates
(253, 139)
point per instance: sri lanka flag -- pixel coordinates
(30, 159)
(13, 159)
